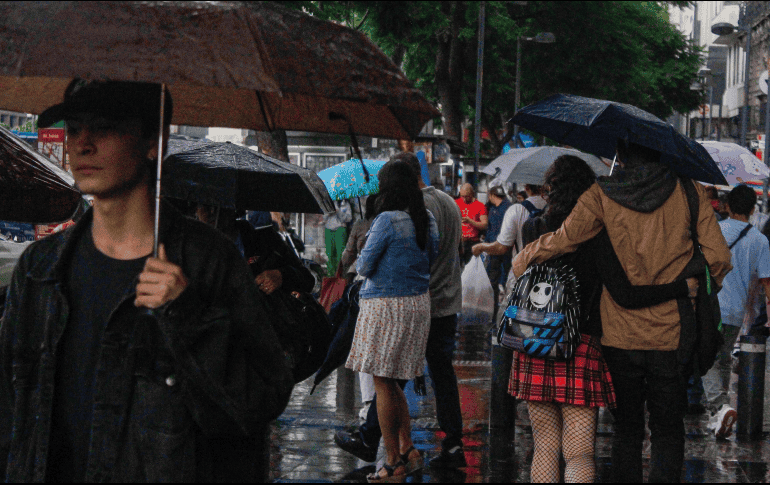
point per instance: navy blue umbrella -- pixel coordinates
(595, 125)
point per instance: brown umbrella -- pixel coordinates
(32, 188)
(238, 64)
(250, 65)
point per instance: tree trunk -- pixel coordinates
(449, 70)
(273, 144)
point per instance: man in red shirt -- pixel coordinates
(474, 217)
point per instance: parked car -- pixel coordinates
(9, 253)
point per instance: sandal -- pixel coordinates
(391, 476)
(412, 464)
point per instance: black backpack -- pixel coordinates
(701, 330)
(533, 211)
(543, 312)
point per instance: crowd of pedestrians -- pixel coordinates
(115, 363)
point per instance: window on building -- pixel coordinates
(316, 163)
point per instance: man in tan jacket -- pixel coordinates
(644, 208)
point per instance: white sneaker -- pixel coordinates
(723, 421)
(364, 410)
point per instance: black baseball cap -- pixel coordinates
(116, 100)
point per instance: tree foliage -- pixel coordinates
(619, 51)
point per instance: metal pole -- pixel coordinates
(719, 123)
(502, 406)
(751, 388)
(703, 123)
(479, 82)
(765, 156)
(711, 108)
(517, 100)
(745, 112)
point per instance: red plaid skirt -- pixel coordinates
(582, 381)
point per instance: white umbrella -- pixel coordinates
(528, 165)
(737, 163)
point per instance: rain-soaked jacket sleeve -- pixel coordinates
(582, 224)
(6, 364)
(233, 371)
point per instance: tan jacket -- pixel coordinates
(653, 248)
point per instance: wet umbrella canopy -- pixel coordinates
(232, 176)
(528, 165)
(33, 189)
(595, 125)
(347, 179)
(737, 163)
(250, 65)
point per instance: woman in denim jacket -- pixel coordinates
(394, 320)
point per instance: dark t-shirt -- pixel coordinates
(496, 215)
(96, 284)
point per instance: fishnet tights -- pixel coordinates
(556, 426)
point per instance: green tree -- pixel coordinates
(621, 51)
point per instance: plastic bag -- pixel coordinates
(478, 297)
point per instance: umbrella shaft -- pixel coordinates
(156, 229)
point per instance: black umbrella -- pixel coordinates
(343, 316)
(595, 126)
(32, 188)
(236, 177)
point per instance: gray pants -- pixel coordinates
(716, 382)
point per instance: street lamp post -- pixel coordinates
(704, 75)
(724, 28)
(542, 38)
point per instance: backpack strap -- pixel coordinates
(692, 203)
(529, 206)
(740, 236)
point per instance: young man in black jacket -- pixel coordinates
(91, 389)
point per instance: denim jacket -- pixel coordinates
(392, 262)
(167, 393)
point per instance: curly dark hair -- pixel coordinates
(567, 178)
(399, 191)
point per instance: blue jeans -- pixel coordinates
(439, 353)
(716, 382)
(653, 377)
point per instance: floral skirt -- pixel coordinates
(582, 381)
(391, 337)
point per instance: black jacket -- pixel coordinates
(166, 393)
(266, 250)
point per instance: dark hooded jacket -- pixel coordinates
(645, 212)
(209, 371)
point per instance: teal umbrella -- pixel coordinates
(347, 180)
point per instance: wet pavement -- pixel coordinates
(303, 448)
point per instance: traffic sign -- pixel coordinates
(763, 82)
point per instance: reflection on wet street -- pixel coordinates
(303, 447)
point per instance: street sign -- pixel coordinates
(703, 109)
(763, 82)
